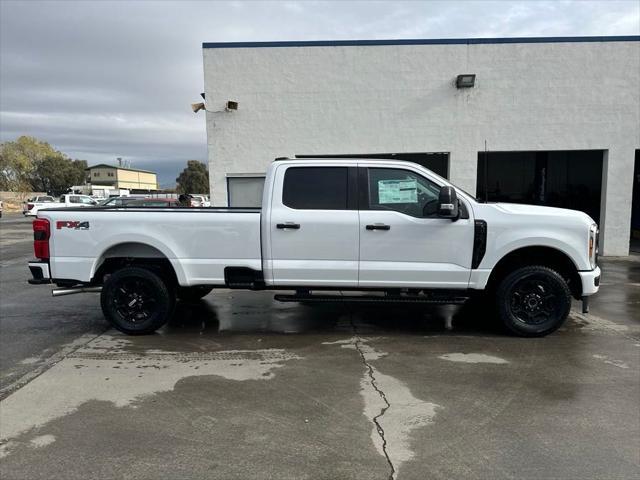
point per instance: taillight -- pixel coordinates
(41, 234)
(29, 206)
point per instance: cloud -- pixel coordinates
(104, 79)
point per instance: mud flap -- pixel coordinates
(585, 304)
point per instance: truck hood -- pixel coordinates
(539, 212)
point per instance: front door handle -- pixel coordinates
(378, 226)
(288, 225)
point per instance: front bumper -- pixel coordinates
(590, 281)
(39, 272)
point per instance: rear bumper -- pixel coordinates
(40, 273)
(590, 281)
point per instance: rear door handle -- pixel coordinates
(288, 225)
(378, 226)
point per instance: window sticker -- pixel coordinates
(397, 191)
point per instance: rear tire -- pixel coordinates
(533, 301)
(193, 294)
(136, 301)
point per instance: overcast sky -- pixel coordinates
(106, 79)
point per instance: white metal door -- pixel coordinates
(314, 226)
(402, 242)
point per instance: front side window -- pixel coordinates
(402, 191)
(74, 199)
(316, 188)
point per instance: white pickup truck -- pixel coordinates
(31, 207)
(373, 230)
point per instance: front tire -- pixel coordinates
(533, 301)
(136, 301)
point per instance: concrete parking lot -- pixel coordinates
(241, 387)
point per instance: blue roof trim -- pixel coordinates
(432, 41)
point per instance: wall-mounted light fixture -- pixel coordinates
(196, 107)
(230, 106)
(466, 80)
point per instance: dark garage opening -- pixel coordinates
(437, 162)
(635, 206)
(566, 179)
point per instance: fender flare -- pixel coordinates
(144, 240)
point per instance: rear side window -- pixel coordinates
(316, 188)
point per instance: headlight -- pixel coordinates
(593, 245)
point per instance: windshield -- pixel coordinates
(455, 186)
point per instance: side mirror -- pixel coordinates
(448, 206)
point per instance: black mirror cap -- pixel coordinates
(448, 206)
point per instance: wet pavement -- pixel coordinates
(240, 386)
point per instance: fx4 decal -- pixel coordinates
(72, 224)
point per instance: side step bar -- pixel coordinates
(242, 285)
(372, 299)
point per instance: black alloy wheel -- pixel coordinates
(533, 301)
(136, 300)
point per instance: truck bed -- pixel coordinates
(199, 242)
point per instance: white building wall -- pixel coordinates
(402, 98)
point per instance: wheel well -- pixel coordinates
(544, 256)
(134, 254)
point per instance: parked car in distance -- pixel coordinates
(200, 201)
(154, 202)
(42, 198)
(118, 201)
(66, 201)
(139, 202)
(36, 202)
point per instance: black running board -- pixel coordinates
(372, 299)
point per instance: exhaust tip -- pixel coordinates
(59, 292)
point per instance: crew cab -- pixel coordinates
(31, 208)
(374, 230)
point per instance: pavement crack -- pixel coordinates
(376, 420)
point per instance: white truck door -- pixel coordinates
(402, 241)
(314, 226)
